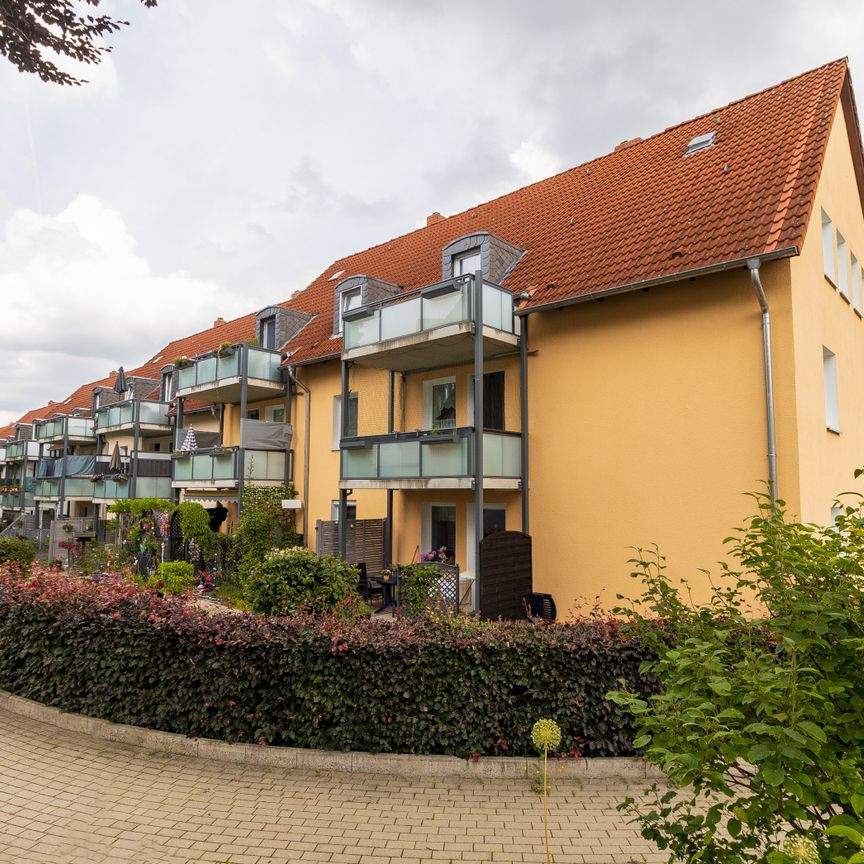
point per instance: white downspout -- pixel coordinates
(754, 264)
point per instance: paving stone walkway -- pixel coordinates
(68, 799)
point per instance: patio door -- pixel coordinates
(439, 528)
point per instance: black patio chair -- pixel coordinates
(366, 589)
(541, 606)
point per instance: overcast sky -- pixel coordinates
(225, 153)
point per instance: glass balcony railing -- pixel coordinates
(75, 487)
(425, 456)
(108, 489)
(122, 415)
(56, 429)
(18, 450)
(436, 306)
(262, 365)
(221, 466)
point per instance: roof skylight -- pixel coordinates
(701, 142)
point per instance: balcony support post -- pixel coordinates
(136, 440)
(523, 423)
(478, 429)
(288, 401)
(244, 400)
(175, 444)
(62, 491)
(391, 428)
(343, 493)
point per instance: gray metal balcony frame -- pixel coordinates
(241, 377)
(517, 338)
(64, 434)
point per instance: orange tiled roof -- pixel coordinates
(642, 213)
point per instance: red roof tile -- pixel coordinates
(644, 212)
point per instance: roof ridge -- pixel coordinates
(844, 61)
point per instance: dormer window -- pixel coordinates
(349, 300)
(267, 332)
(467, 263)
(165, 387)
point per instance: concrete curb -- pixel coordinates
(396, 764)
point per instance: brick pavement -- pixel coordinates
(66, 798)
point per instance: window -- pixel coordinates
(157, 446)
(267, 332)
(494, 519)
(829, 370)
(828, 264)
(165, 387)
(349, 300)
(842, 266)
(351, 509)
(856, 284)
(439, 403)
(275, 413)
(443, 528)
(467, 263)
(351, 424)
(253, 414)
(493, 401)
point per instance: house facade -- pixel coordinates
(610, 358)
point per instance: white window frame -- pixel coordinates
(832, 401)
(428, 386)
(334, 509)
(337, 420)
(345, 304)
(269, 412)
(856, 284)
(842, 266)
(829, 264)
(460, 259)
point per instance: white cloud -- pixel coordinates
(534, 161)
(78, 301)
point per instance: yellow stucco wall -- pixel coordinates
(823, 318)
(647, 425)
(324, 380)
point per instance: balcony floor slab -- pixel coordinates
(493, 483)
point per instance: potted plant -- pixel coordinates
(182, 361)
(226, 349)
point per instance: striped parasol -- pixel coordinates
(189, 442)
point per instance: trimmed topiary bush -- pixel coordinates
(292, 579)
(459, 686)
(17, 550)
(173, 577)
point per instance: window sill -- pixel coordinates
(830, 281)
(832, 430)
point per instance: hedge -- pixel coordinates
(109, 649)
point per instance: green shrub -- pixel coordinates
(264, 524)
(108, 650)
(292, 579)
(760, 715)
(173, 577)
(16, 550)
(195, 527)
(418, 588)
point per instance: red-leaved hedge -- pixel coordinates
(109, 649)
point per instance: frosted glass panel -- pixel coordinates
(262, 364)
(358, 464)
(400, 459)
(186, 377)
(446, 460)
(497, 308)
(502, 455)
(362, 331)
(206, 370)
(446, 309)
(400, 319)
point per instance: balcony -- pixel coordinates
(107, 488)
(152, 417)
(219, 468)
(75, 488)
(424, 460)
(430, 327)
(218, 377)
(79, 430)
(11, 500)
(18, 451)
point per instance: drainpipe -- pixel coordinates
(307, 427)
(391, 428)
(478, 433)
(523, 421)
(343, 493)
(241, 450)
(754, 264)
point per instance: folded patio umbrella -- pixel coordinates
(115, 466)
(120, 385)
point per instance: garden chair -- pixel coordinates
(541, 606)
(365, 588)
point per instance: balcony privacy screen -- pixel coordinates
(76, 466)
(205, 439)
(261, 435)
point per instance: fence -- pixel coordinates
(365, 542)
